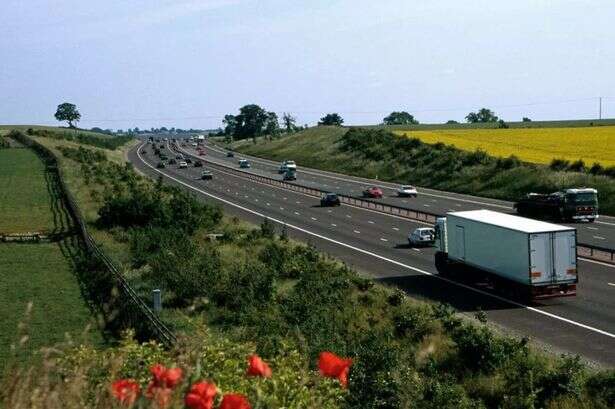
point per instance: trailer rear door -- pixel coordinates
(565, 260)
(541, 267)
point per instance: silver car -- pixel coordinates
(423, 236)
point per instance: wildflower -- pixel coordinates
(333, 366)
(258, 367)
(126, 391)
(234, 401)
(161, 386)
(201, 396)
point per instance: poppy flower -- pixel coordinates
(161, 386)
(201, 396)
(332, 366)
(165, 377)
(126, 391)
(234, 401)
(258, 367)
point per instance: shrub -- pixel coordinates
(596, 169)
(577, 166)
(602, 386)
(508, 163)
(413, 322)
(559, 164)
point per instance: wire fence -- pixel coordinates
(135, 311)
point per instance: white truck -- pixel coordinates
(526, 258)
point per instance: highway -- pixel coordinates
(600, 233)
(375, 244)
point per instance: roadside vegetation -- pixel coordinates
(252, 290)
(380, 154)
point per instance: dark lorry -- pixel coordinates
(568, 205)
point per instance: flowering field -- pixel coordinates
(538, 145)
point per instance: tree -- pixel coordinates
(451, 121)
(331, 119)
(272, 126)
(251, 121)
(400, 118)
(68, 112)
(289, 122)
(230, 124)
(483, 115)
(526, 119)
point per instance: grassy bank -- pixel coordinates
(377, 153)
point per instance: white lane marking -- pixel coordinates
(256, 200)
(356, 231)
(333, 224)
(592, 228)
(281, 208)
(297, 213)
(298, 202)
(434, 200)
(267, 204)
(458, 205)
(415, 249)
(329, 211)
(597, 262)
(395, 228)
(599, 238)
(383, 239)
(313, 218)
(610, 224)
(611, 284)
(426, 205)
(405, 201)
(349, 216)
(284, 198)
(397, 263)
(370, 222)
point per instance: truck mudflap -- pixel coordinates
(554, 290)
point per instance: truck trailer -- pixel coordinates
(568, 205)
(526, 258)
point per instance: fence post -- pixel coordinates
(157, 300)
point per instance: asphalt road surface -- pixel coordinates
(376, 244)
(600, 233)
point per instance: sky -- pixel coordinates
(187, 63)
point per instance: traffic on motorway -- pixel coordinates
(600, 234)
(395, 241)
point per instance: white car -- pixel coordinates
(183, 164)
(287, 164)
(406, 191)
(423, 236)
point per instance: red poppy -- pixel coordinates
(126, 391)
(201, 396)
(165, 377)
(161, 386)
(258, 367)
(333, 366)
(234, 401)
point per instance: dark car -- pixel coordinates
(160, 165)
(230, 154)
(373, 192)
(188, 160)
(198, 164)
(207, 175)
(172, 162)
(330, 199)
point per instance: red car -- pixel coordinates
(373, 192)
(201, 153)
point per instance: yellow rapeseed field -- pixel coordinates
(538, 145)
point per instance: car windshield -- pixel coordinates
(407, 187)
(426, 233)
(583, 198)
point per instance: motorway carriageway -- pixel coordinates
(376, 244)
(600, 233)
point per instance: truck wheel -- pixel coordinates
(441, 261)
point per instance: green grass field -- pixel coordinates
(41, 274)
(25, 205)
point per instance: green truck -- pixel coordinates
(569, 205)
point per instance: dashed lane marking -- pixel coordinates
(356, 231)
(383, 239)
(313, 218)
(599, 238)
(333, 224)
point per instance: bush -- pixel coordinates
(602, 386)
(559, 164)
(508, 163)
(596, 169)
(413, 322)
(577, 166)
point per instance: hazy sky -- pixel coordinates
(186, 63)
